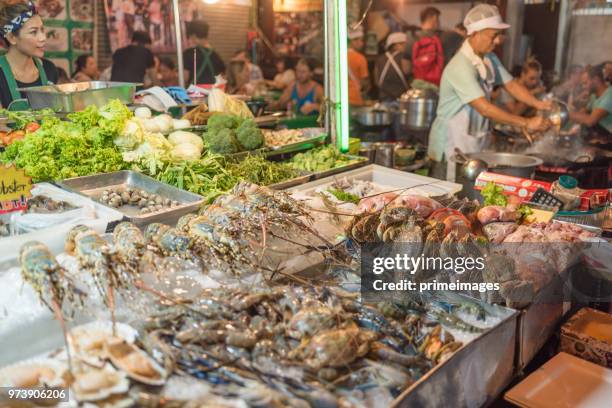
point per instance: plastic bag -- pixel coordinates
(22, 223)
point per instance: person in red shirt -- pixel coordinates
(359, 77)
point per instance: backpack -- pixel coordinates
(428, 59)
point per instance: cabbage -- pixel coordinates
(150, 125)
(131, 135)
(186, 151)
(143, 112)
(164, 122)
(180, 124)
(180, 137)
(154, 145)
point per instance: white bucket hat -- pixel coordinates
(355, 34)
(483, 16)
(395, 38)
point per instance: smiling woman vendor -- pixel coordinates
(465, 107)
(23, 65)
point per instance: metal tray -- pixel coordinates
(78, 96)
(472, 377)
(304, 144)
(92, 186)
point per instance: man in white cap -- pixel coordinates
(392, 69)
(359, 77)
(464, 107)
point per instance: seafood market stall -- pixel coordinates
(224, 264)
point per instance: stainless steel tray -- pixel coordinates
(92, 186)
(307, 143)
(78, 96)
(472, 377)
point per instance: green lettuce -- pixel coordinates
(494, 195)
(81, 146)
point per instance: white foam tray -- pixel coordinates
(387, 179)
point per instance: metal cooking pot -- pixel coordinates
(418, 108)
(517, 165)
(377, 115)
(385, 154)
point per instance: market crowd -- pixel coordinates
(408, 57)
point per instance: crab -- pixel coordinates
(398, 224)
(363, 227)
(334, 348)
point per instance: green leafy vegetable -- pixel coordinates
(78, 147)
(494, 195)
(21, 118)
(258, 170)
(320, 159)
(343, 195)
(524, 211)
(207, 176)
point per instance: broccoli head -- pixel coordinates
(249, 135)
(222, 142)
(220, 121)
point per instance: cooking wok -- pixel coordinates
(555, 160)
(572, 158)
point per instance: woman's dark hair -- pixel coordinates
(429, 12)
(531, 64)
(198, 29)
(234, 69)
(81, 63)
(8, 11)
(141, 37)
(309, 62)
(286, 61)
(597, 71)
(62, 76)
(167, 62)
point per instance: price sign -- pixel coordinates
(15, 189)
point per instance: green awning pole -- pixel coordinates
(342, 104)
(336, 65)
